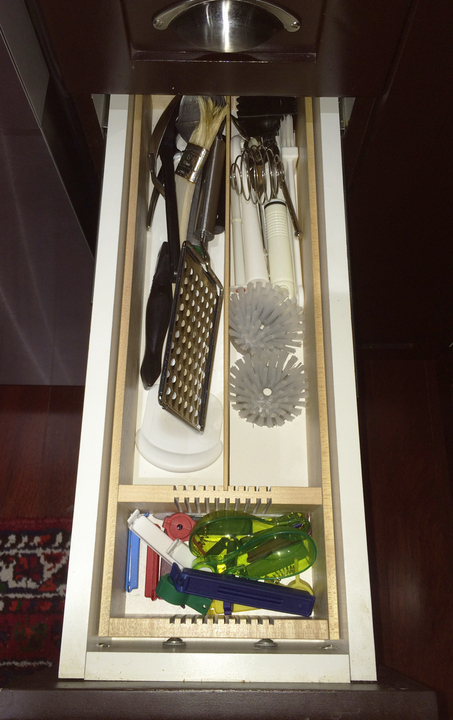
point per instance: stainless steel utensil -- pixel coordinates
(258, 174)
(195, 154)
(189, 353)
(186, 123)
(208, 202)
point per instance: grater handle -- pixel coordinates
(158, 311)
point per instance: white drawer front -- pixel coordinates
(311, 464)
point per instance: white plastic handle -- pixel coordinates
(173, 551)
(237, 242)
(254, 259)
(279, 246)
(290, 157)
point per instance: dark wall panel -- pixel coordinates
(46, 267)
(399, 174)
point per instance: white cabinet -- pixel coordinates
(311, 464)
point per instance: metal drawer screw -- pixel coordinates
(174, 643)
(103, 645)
(265, 644)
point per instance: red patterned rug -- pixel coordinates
(33, 569)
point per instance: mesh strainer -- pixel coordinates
(189, 353)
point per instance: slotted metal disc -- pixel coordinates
(189, 353)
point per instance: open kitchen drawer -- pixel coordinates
(311, 464)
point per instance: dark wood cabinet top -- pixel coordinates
(343, 48)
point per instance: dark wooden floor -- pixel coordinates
(406, 423)
(39, 443)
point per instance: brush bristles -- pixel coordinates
(268, 390)
(212, 115)
(264, 318)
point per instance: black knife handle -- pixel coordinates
(158, 311)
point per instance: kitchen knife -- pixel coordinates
(158, 308)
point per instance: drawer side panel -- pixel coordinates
(345, 446)
(87, 529)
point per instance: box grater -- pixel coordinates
(192, 334)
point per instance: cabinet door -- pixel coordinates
(398, 161)
(343, 48)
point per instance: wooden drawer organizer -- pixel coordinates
(224, 485)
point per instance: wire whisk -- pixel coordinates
(258, 175)
(254, 174)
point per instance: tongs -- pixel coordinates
(158, 309)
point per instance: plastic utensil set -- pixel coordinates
(231, 556)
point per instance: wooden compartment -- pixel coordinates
(260, 470)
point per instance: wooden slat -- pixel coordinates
(120, 384)
(226, 306)
(155, 495)
(332, 597)
(237, 628)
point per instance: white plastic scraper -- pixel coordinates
(173, 551)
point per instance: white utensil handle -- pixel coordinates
(254, 260)
(237, 240)
(279, 246)
(290, 171)
(237, 243)
(236, 147)
(171, 550)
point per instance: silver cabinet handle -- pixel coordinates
(230, 14)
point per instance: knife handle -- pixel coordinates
(158, 311)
